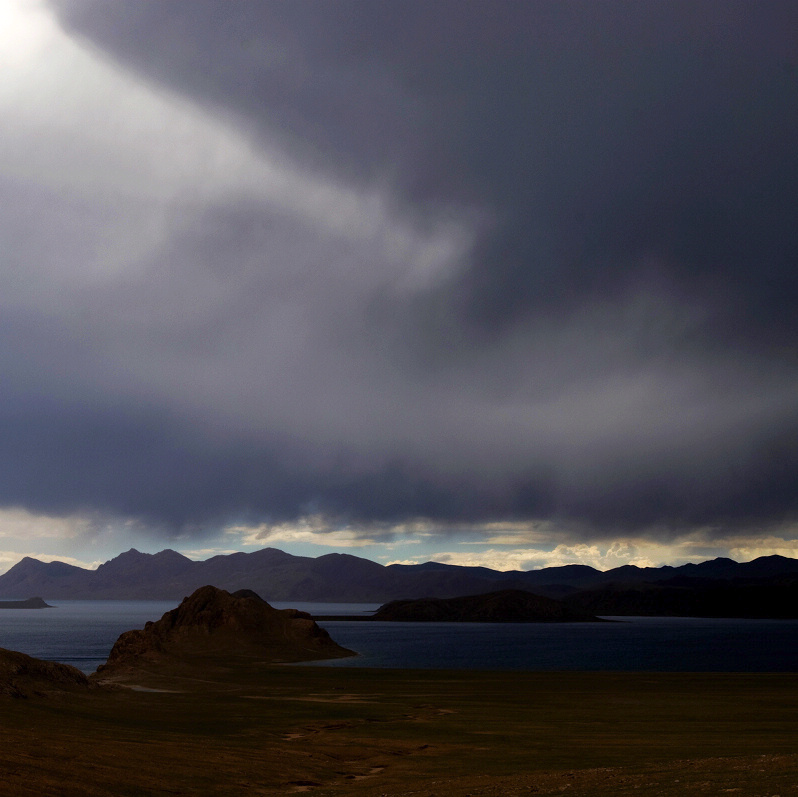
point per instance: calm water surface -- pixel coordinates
(655, 644)
(82, 633)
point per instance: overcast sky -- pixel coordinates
(504, 283)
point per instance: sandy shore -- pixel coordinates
(250, 729)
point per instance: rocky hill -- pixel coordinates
(213, 622)
(24, 676)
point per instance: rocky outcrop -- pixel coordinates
(504, 606)
(24, 676)
(213, 622)
(30, 603)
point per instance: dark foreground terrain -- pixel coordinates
(241, 727)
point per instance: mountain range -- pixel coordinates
(764, 587)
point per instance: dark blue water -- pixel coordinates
(655, 644)
(82, 633)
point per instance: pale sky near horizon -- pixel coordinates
(498, 283)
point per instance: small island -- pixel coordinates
(30, 603)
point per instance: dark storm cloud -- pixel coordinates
(617, 345)
(596, 134)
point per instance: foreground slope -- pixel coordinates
(327, 731)
(24, 676)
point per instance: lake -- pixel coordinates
(82, 633)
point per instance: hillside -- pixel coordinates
(23, 676)
(775, 598)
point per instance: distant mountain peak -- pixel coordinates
(30, 565)
(25, 565)
(30, 561)
(169, 553)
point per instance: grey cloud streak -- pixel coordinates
(609, 338)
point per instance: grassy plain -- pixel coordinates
(250, 729)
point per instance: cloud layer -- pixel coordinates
(371, 263)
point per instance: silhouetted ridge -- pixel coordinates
(24, 676)
(334, 578)
(504, 606)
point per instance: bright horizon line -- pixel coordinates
(50, 558)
